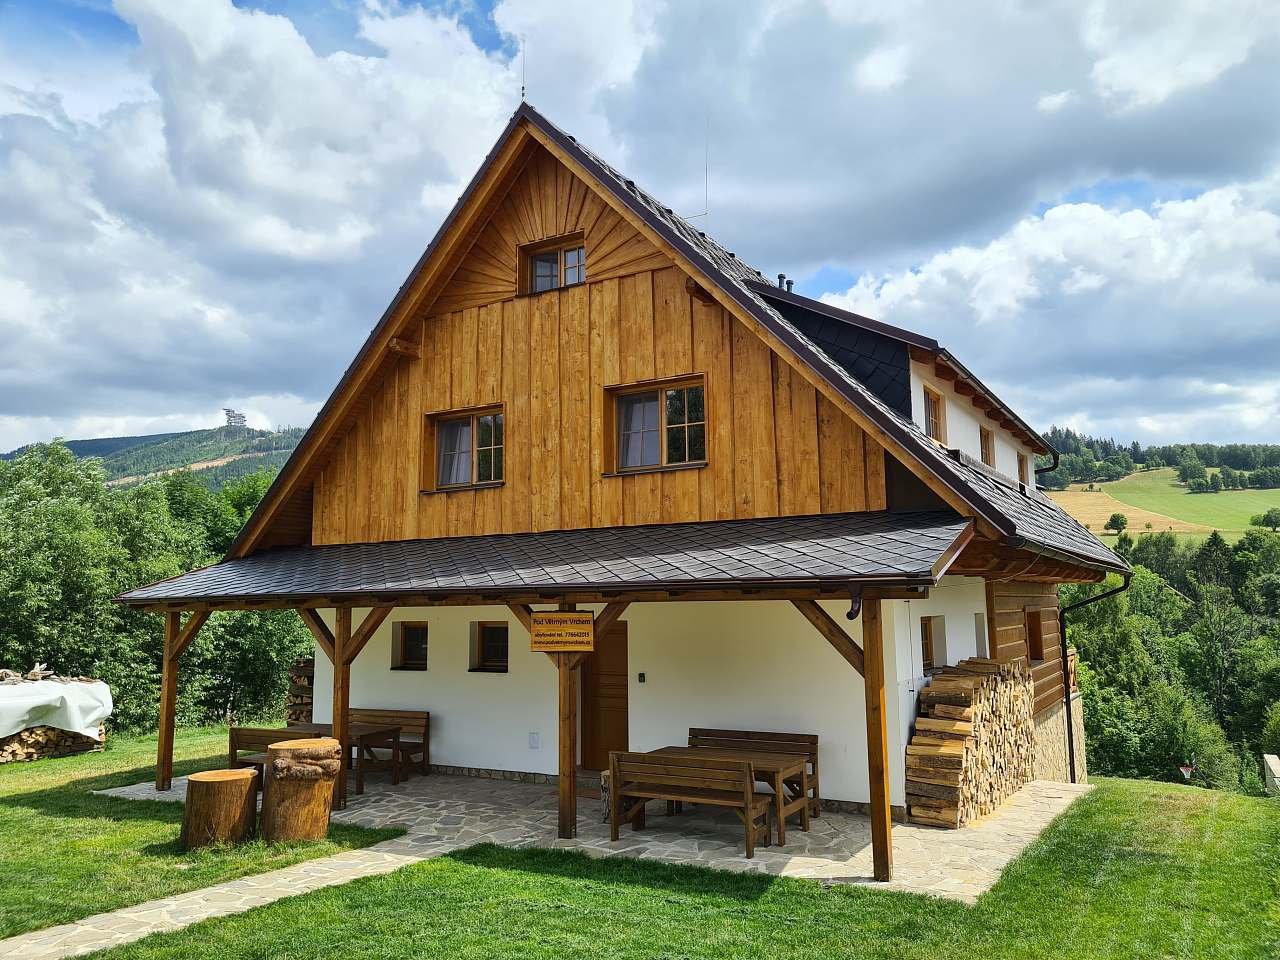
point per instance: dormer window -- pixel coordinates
(551, 264)
(935, 415)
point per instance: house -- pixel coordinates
(578, 401)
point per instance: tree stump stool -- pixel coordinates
(298, 791)
(221, 807)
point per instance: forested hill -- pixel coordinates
(217, 455)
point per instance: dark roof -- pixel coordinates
(888, 548)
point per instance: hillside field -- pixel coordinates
(1157, 498)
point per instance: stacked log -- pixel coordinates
(301, 681)
(974, 742)
(39, 743)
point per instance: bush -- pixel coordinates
(1270, 738)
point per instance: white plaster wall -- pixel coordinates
(963, 419)
(956, 599)
(754, 665)
(477, 719)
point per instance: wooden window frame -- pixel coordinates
(1033, 627)
(931, 394)
(397, 645)
(477, 662)
(561, 245)
(612, 428)
(1024, 469)
(987, 445)
(929, 643)
(428, 481)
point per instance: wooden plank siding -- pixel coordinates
(1007, 606)
(775, 446)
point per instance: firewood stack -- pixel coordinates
(37, 743)
(301, 681)
(973, 744)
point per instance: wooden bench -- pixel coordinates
(247, 746)
(415, 741)
(798, 744)
(637, 778)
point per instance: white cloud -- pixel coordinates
(1053, 102)
(882, 69)
(219, 212)
(1149, 51)
(1157, 321)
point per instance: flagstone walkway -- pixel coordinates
(443, 813)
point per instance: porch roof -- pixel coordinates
(882, 548)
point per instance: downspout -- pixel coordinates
(1066, 676)
(1053, 466)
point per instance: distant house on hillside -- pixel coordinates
(579, 401)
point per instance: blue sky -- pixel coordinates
(209, 204)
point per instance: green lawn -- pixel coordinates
(1159, 492)
(66, 854)
(1133, 870)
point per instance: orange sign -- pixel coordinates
(563, 632)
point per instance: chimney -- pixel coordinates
(789, 283)
(782, 279)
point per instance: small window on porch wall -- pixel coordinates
(489, 646)
(1033, 619)
(409, 645)
(933, 643)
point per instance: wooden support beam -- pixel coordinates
(341, 699)
(368, 627)
(833, 632)
(944, 371)
(189, 631)
(168, 701)
(567, 686)
(698, 291)
(523, 613)
(610, 615)
(877, 740)
(319, 629)
(404, 348)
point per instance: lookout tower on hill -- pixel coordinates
(234, 417)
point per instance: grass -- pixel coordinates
(1133, 870)
(67, 853)
(1155, 497)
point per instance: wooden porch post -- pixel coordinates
(567, 668)
(177, 638)
(341, 699)
(168, 701)
(877, 740)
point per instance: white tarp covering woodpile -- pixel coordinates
(44, 715)
(974, 742)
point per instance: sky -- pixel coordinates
(206, 204)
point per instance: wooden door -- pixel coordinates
(604, 698)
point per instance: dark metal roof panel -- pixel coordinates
(902, 547)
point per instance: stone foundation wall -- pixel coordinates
(1051, 743)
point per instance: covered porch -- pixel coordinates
(857, 561)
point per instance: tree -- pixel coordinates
(1212, 561)
(1117, 522)
(1191, 469)
(1215, 483)
(1271, 730)
(1270, 520)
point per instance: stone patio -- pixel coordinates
(441, 814)
(461, 811)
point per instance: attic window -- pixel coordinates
(551, 264)
(935, 416)
(1024, 470)
(987, 442)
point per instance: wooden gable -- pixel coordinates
(780, 441)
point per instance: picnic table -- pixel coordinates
(771, 768)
